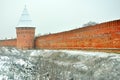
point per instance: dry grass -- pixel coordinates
(60, 56)
(116, 51)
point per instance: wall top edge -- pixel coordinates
(25, 27)
(8, 39)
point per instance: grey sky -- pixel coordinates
(56, 15)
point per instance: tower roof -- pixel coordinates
(25, 20)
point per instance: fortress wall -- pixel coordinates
(25, 37)
(8, 43)
(100, 36)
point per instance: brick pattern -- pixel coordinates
(25, 37)
(9, 42)
(101, 36)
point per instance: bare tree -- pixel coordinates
(90, 23)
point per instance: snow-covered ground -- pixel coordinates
(15, 65)
(18, 64)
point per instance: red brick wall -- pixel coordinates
(25, 37)
(8, 43)
(104, 35)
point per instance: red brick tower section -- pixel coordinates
(25, 37)
(25, 31)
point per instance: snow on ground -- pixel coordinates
(71, 52)
(14, 65)
(21, 62)
(18, 64)
(87, 53)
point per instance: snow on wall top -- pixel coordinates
(25, 20)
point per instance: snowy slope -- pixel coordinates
(14, 65)
(18, 64)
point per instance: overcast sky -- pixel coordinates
(56, 15)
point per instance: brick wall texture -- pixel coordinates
(101, 36)
(25, 37)
(9, 42)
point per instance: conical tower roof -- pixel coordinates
(25, 20)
